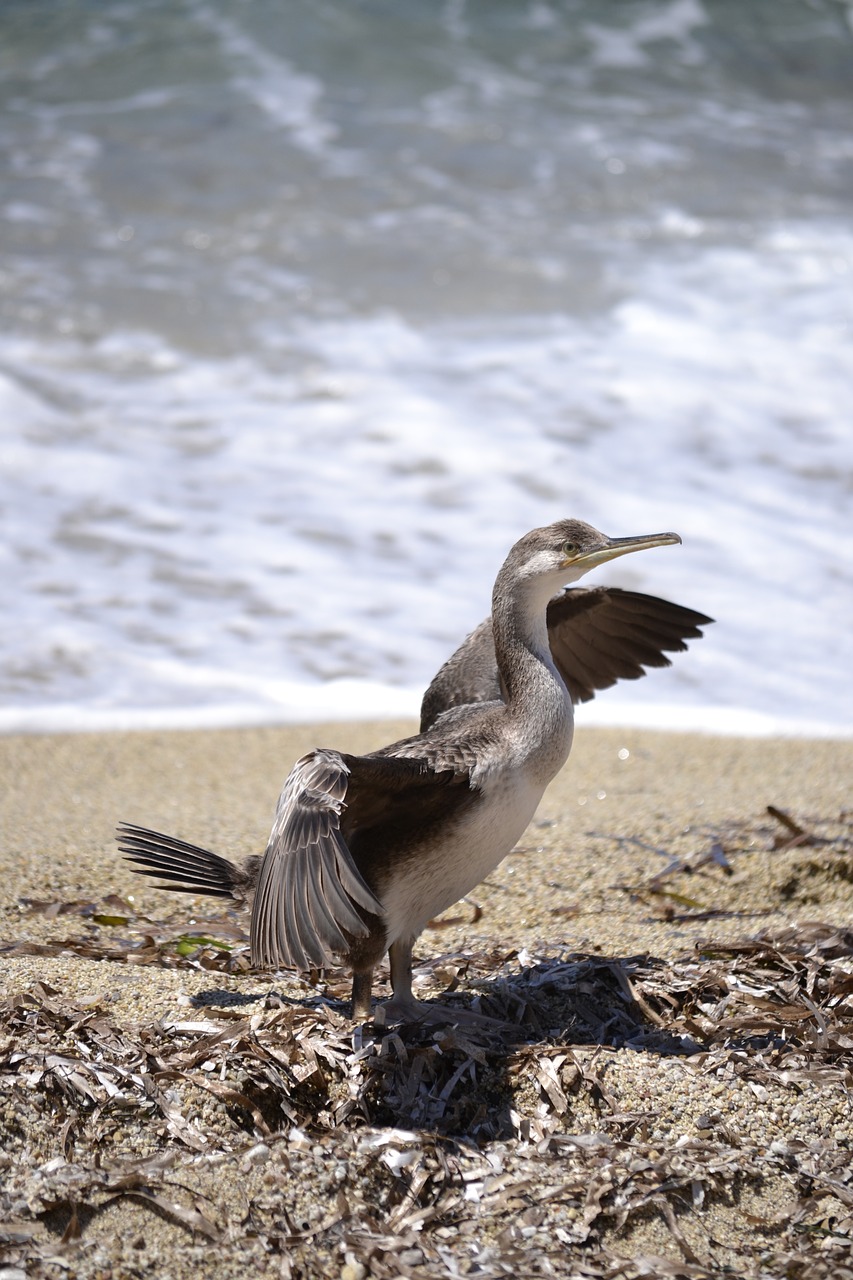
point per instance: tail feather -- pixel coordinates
(188, 868)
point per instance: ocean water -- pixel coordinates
(307, 312)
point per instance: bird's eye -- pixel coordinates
(570, 548)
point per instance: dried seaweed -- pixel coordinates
(587, 1130)
(455, 1130)
(716, 855)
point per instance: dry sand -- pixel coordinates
(665, 1101)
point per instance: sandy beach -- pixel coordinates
(669, 1096)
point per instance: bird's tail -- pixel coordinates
(188, 868)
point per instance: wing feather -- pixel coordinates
(310, 893)
(598, 635)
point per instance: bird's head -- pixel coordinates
(563, 552)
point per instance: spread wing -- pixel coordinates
(598, 635)
(312, 900)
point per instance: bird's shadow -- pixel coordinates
(542, 1047)
(588, 1000)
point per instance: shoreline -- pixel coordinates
(652, 859)
(380, 704)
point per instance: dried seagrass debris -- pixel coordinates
(116, 932)
(795, 834)
(624, 1105)
(703, 869)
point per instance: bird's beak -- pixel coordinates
(622, 546)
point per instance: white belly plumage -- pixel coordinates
(482, 838)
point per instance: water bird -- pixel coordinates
(365, 850)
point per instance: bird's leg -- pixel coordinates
(362, 984)
(403, 1007)
(400, 960)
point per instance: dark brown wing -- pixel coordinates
(598, 635)
(313, 899)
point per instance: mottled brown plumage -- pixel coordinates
(364, 850)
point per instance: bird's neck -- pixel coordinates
(536, 697)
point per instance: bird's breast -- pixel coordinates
(517, 755)
(462, 854)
